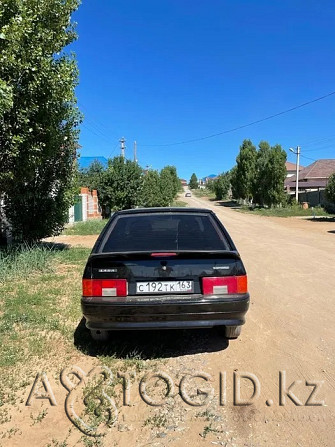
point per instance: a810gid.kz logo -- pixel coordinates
(92, 392)
(88, 404)
(91, 407)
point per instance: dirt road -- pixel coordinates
(287, 350)
(290, 328)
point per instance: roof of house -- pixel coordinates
(320, 169)
(292, 166)
(308, 184)
(85, 162)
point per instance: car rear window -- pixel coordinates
(164, 232)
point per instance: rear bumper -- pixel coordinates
(165, 312)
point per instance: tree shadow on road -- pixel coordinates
(321, 219)
(151, 344)
(229, 204)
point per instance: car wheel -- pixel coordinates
(232, 331)
(99, 335)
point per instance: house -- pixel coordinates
(203, 181)
(291, 168)
(86, 206)
(183, 182)
(312, 182)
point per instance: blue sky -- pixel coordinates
(165, 71)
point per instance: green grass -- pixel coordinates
(40, 317)
(289, 211)
(40, 292)
(93, 226)
(203, 193)
(22, 260)
(179, 203)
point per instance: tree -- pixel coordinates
(221, 186)
(330, 188)
(6, 97)
(175, 182)
(93, 176)
(151, 191)
(193, 182)
(260, 184)
(167, 186)
(245, 171)
(39, 120)
(234, 184)
(274, 176)
(122, 184)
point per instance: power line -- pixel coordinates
(96, 134)
(316, 141)
(114, 149)
(98, 126)
(243, 126)
(308, 158)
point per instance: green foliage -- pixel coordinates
(175, 182)
(234, 184)
(221, 186)
(169, 185)
(210, 185)
(245, 171)
(151, 192)
(286, 211)
(92, 177)
(6, 97)
(193, 184)
(274, 177)
(259, 175)
(122, 184)
(330, 189)
(38, 126)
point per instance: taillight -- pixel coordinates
(105, 287)
(222, 285)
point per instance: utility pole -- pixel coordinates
(297, 153)
(135, 152)
(123, 147)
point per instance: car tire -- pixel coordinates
(99, 335)
(232, 332)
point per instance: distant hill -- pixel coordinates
(85, 162)
(210, 176)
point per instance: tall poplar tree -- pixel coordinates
(38, 115)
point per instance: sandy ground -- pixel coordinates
(289, 333)
(78, 241)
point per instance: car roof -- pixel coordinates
(164, 210)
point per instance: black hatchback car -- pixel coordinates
(164, 268)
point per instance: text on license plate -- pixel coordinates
(164, 286)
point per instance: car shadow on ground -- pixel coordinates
(151, 344)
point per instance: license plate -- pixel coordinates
(164, 287)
